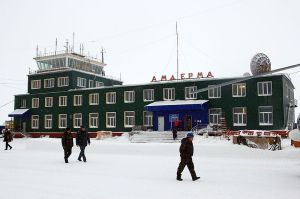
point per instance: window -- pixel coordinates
(239, 116)
(35, 84)
(148, 116)
(94, 120)
(81, 82)
(265, 115)
(129, 96)
(214, 91)
(35, 102)
(94, 99)
(189, 92)
(34, 121)
(77, 100)
(48, 121)
(148, 95)
(62, 120)
(23, 103)
(99, 84)
(239, 90)
(169, 93)
(129, 118)
(63, 81)
(49, 83)
(111, 98)
(264, 88)
(214, 116)
(91, 83)
(62, 100)
(77, 120)
(48, 101)
(111, 120)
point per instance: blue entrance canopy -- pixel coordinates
(18, 112)
(176, 105)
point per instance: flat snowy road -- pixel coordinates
(117, 169)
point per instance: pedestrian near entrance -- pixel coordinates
(82, 140)
(67, 144)
(186, 152)
(7, 138)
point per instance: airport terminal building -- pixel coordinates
(70, 90)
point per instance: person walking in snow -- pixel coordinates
(186, 152)
(82, 139)
(67, 144)
(7, 138)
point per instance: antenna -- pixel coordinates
(177, 51)
(73, 41)
(37, 50)
(102, 55)
(67, 46)
(55, 45)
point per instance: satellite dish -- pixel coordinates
(246, 74)
(260, 64)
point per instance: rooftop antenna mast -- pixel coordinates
(73, 41)
(102, 55)
(67, 46)
(177, 51)
(37, 50)
(55, 45)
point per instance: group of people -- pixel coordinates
(82, 140)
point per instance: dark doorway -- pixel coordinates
(187, 122)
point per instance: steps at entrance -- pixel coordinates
(160, 137)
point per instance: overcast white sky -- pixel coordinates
(139, 37)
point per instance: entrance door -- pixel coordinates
(161, 123)
(24, 127)
(188, 123)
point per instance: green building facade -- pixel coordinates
(61, 96)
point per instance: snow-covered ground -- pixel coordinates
(116, 168)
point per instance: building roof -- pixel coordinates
(18, 112)
(178, 105)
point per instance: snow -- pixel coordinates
(118, 169)
(177, 102)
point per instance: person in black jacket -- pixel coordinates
(7, 138)
(82, 139)
(186, 152)
(67, 143)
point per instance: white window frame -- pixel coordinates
(147, 118)
(48, 121)
(214, 117)
(62, 122)
(214, 91)
(93, 120)
(81, 82)
(34, 121)
(128, 119)
(36, 84)
(188, 92)
(94, 98)
(77, 100)
(265, 90)
(77, 121)
(23, 103)
(129, 96)
(62, 101)
(111, 95)
(148, 95)
(62, 81)
(241, 89)
(49, 83)
(170, 92)
(99, 84)
(111, 120)
(48, 101)
(35, 102)
(265, 114)
(240, 116)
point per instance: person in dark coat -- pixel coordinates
(7, 138)
(82, 139)
(67, 144)
(186, 152)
